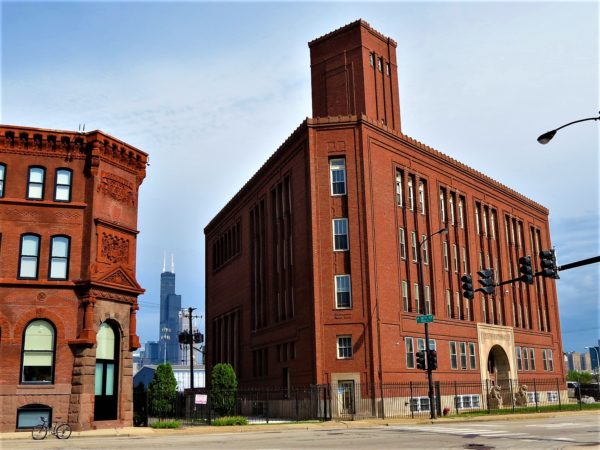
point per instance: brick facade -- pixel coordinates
(96, 213)
(271, 305)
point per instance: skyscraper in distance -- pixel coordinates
(170, 308)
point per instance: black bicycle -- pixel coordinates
(60, 430)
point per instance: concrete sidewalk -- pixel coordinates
(330, 425)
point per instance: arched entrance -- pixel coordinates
(498, 366)
(107, 373)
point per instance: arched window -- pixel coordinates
(106, 376)
(59, 258)
(29, 256)
(38, 352)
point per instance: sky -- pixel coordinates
(210, 90)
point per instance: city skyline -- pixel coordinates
(172, 79)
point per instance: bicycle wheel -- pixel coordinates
(39, 432)
(63, 431)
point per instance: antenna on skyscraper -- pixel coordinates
(164, 262)
(172, 264)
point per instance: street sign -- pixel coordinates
(425, 319)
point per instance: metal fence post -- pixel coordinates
(412, 413)
(487, 399)
(558, 392)
(535, 395)
(456, 398)
(512, 396)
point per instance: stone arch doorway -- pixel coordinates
(498, 366)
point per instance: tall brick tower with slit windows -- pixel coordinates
(68, 291)
(311, 273)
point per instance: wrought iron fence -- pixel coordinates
(348, 400)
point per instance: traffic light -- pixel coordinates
(183, 337)
(548, 263)
(432, 360)
(525, 269)
(198, 337)
(467, 286)
(421, 360)
(486, 279)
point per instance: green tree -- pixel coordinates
(224, 387)
(580, 377)
(162, 391)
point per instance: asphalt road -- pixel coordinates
(570, 432)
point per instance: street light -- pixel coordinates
(165, 336)
(432, 407)
(548, 135)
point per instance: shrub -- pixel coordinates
(224, 388)
(162, 391)
(228, 421)
(166, 424)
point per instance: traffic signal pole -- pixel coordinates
(432, 406)
(190, 310)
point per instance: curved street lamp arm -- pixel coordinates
(548, 135)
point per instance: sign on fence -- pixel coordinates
(201, 399)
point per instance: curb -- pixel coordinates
(330, 425)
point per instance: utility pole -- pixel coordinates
(188, 338)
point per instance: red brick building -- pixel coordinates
(311, 273)
(68, 292)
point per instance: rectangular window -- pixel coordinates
(343, 297)
(59, 258)
(424, 248)
(337, 170)
(461, 216)
(387, 69)
(472, 356)
(419, 404)
(484, 309)
(340, 234)
(485, 221)
(467, 401)
(35, 183)
(402, 243)
(550, 361)
(372, 59)
(453, 358)
(405, 296)
(455, 257)
(427, 300)
(544, 360)
(467, 309)
(519, 358)
(2, 177)
(493, 224)
(28, 261)
(410, 353)
(380, 64)
(411, 194)
(442, 206)
(445, 255)
(532, 358)
(458, 305)
(421, 197)
(525, 358)
(399, 192)
(464, 259)
(552, 396)
(413, 237)
(62, 188)
(477, 224)
(448, 303)
(417, 300)
(421, 344)
(451, 208)
(344, 347)
(463, 355)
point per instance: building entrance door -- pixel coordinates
(106, 376)
(345, 393)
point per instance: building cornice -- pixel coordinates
(359, 22)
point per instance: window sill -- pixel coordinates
(46, 203)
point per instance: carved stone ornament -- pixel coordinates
(115, 249)
(117, 187)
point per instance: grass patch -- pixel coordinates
(229, 421)
(166, 424)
